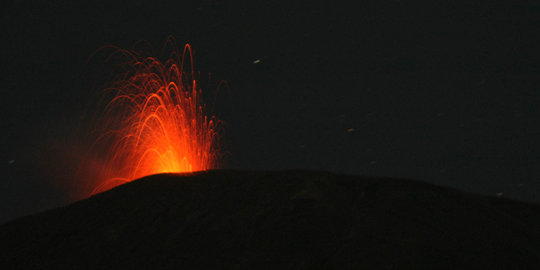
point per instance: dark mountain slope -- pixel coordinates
(277, 220)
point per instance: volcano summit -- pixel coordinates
(277, 220)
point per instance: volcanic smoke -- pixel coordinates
(155, 122)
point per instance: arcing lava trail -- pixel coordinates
(155, 122)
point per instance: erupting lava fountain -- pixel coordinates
(155, 122)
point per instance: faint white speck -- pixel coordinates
(350, 130)
(11, 161)
(256, 61)
(499, 194)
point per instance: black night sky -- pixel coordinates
(443, 92)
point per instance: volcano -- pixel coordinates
(224, 219)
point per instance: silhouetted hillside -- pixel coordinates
(277, 220)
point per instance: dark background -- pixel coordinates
(441, 91)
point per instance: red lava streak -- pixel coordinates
(156, 122)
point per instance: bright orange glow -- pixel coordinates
(155, 122)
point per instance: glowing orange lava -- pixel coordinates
(155, 123)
